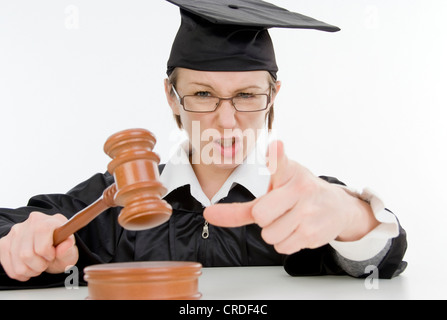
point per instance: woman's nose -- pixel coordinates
(226, 114)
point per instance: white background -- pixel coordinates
(367, 104)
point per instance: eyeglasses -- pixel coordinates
(207, 103)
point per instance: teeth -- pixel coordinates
(227, 142)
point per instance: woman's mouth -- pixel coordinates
(228, 147)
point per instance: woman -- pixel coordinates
(221, 88)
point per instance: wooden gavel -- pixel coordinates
(137, 188)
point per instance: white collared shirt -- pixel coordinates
(253, 175)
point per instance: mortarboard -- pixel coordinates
(232, 35)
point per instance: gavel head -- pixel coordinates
(138, 189)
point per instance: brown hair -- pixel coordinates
(173, 77)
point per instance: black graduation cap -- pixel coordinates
(232, 35)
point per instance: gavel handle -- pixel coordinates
(83, 217)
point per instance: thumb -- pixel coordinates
(230, 214)
(278, 165)
(62, 249)
(66, 255)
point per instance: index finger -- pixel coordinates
(230, 214)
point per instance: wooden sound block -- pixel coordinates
(148, 280)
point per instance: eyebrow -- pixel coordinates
(201, 84)
(240, 89)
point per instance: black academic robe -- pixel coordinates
(180, 238)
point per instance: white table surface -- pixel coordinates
(268, 283)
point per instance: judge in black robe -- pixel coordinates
(214, 37)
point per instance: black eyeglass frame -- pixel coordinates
(181, 100)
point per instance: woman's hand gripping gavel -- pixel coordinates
(31, 247)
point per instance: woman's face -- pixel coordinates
(222, 138)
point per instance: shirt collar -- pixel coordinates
(251, 174)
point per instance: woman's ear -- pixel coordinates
(277, 88)
(171, 97)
